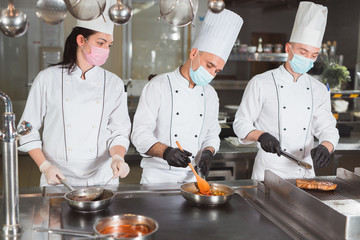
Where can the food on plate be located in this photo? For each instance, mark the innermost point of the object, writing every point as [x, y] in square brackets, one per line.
[212, 193]
[317, 185]
[127, 230]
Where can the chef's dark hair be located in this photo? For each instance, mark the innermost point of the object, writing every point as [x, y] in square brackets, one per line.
[69, 55]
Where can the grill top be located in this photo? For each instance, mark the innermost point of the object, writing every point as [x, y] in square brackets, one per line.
[343, 190]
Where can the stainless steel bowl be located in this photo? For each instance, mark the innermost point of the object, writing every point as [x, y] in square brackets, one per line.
[89, 206]
[85, 9]
[189, 192]
[127, 219]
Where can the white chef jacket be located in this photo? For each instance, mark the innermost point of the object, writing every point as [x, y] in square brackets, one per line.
[170, 111]
[293, 112]
[81, 119]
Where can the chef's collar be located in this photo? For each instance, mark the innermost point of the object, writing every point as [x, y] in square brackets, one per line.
[288, 77]
[89, 75]
[183, 81]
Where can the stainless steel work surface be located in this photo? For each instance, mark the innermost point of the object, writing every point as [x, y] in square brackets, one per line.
[326, 215]
[178, 219]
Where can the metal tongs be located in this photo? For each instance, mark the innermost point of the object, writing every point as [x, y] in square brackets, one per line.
[296, 160]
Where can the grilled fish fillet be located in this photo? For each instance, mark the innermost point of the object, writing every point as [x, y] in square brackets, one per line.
[312, 184]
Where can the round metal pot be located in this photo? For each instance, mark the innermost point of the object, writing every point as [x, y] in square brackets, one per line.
[189, 192]
[111, 222]
[127, 219]
[89, 206]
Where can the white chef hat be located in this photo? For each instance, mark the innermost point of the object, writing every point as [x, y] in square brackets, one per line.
[218, 33]
[99, 24]
[309, 25]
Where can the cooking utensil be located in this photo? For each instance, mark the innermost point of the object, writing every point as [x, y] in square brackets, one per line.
[190, 192]
[296, 160]
[136, 222]
[13, 22]
[120, 13]
[102, 190]
[216, 6]
[178, 13]
[51, 11]
[203, 185]
[96, 204]
[85, 9]
[91, 193]
[140, 221]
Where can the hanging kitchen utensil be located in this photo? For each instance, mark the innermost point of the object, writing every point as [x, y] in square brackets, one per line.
[13, 22]
[85, 9]
[178, 13]
[51, 11]
[120, 13]
[216, 6]
[296, 160]
[203, 185]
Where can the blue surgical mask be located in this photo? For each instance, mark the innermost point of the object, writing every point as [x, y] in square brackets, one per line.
[300, 64]
[201, 76]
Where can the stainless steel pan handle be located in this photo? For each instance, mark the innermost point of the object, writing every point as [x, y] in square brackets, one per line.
[68, 185]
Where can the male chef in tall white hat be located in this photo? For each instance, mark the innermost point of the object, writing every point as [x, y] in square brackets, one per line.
[83, 110]
[182, 106]
[285, 108]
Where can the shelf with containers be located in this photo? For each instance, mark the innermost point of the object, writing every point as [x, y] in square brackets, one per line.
[344, 104]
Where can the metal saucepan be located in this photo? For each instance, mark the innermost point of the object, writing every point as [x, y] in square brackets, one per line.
[75, 198]
[125, 226]
[189, 192]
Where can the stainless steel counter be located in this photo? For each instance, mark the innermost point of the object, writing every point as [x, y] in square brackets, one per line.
[46, 209]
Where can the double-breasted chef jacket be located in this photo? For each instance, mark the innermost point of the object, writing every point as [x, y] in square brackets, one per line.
[81, 119]
[170, 111]
[293, 112]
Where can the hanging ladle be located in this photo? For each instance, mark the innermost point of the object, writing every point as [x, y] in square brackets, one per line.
[120, 13]
[13, 22]
[203, 185]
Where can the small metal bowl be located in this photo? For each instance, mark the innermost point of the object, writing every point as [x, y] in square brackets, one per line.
[127, 219]
[189, 192]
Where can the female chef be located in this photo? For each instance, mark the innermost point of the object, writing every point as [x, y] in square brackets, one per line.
[286, 107]
[83, 111]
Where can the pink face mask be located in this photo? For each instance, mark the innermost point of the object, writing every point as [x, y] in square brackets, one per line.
[97, 55]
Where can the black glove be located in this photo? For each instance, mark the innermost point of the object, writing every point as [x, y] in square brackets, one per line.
[205, 162]
[177, 158]
[320, 155]
[269, 143]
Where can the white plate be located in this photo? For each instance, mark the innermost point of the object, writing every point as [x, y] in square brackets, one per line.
[233, 107]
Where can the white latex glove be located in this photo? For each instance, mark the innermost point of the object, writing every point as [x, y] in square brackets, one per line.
[50, 171]
[119, 166]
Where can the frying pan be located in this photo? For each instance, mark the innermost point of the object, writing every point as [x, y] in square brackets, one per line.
[189, 192]
[98, 204]
[111, 222]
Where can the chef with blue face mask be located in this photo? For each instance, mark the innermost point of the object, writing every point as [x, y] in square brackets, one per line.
[285, 108]
[182, 106]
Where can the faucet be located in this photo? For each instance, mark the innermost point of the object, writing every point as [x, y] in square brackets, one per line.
[8, 135]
